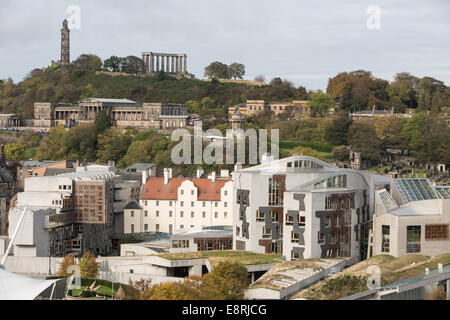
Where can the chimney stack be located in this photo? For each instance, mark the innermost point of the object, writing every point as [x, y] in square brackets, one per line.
[213, 176]
[144, 177]
[200, 172]
[167, 175]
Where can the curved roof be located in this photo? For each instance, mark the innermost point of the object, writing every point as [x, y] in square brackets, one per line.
[17, 287]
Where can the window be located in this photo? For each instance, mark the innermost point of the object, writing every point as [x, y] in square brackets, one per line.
[294, 237]
[413, 239]
[132, 213]
[259, 216]
[225, 214]
[170, 203]
[180, 243]
[385, 233]
[170, 213]
[192, 203]
[225, 204]
[289, 220]
[181, 191]
[320, 237]
[436, 232]
[203, 214]
[145, 202]
[192, 192]
[182, 203]
[192, 214]
[157, 203]
[157, 213]
[216, 214]
[301, 221]
[181, 226]
[132, 228]
[216, 204]
[267, 233]
[145, 227]
[204, 204]
[145, 213]
[181, 214]
[225, 192]
[275, 196]
[157, 227]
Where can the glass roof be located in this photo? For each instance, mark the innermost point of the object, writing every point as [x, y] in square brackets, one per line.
[415, 189]
[444, 192]
[387, 200]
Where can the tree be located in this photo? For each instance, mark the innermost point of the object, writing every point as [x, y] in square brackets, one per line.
[102, 122]
[363, 137]
[340, 153]
[133, 65]
[89, 62]
[88, 266]
[68, 261]
[193, 106]
[227, 281]
[236, 70]
[302, 93]
[53, 147]
[218, 70]
[337, 132]
[111, 145]
[15, 151]
[113, 64]
[320, 104]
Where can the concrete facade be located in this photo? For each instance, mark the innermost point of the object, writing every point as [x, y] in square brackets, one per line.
[281, 207]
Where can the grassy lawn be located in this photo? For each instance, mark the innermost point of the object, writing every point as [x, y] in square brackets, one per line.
[215, 257]
[324, 150]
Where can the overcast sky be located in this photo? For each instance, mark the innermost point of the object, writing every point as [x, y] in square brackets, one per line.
[306, 42]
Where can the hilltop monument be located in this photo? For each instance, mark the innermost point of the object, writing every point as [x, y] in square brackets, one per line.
[65, 43]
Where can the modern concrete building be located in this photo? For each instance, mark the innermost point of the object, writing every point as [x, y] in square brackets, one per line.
[202, 239]
[75, 210]
[167, 204]
[413, 218]
[303, 208]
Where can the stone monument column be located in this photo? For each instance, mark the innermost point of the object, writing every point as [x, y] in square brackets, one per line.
[65, 43]
[185, 63]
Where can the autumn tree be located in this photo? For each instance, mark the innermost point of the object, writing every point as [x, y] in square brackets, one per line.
[132, 65]
[88, 266]
[53, 147]
[236, 70]
[68, 261]
[217, 69]
[320, 104]
[90, 62]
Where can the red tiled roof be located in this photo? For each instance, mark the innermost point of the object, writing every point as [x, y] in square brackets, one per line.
[154, 188]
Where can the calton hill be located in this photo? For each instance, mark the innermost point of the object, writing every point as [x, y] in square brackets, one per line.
[423, 138]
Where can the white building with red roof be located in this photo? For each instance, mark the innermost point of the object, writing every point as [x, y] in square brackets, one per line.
[168, 204]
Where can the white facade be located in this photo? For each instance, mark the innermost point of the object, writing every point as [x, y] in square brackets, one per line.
[187, 208]
[299, 177]
[425, 221]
